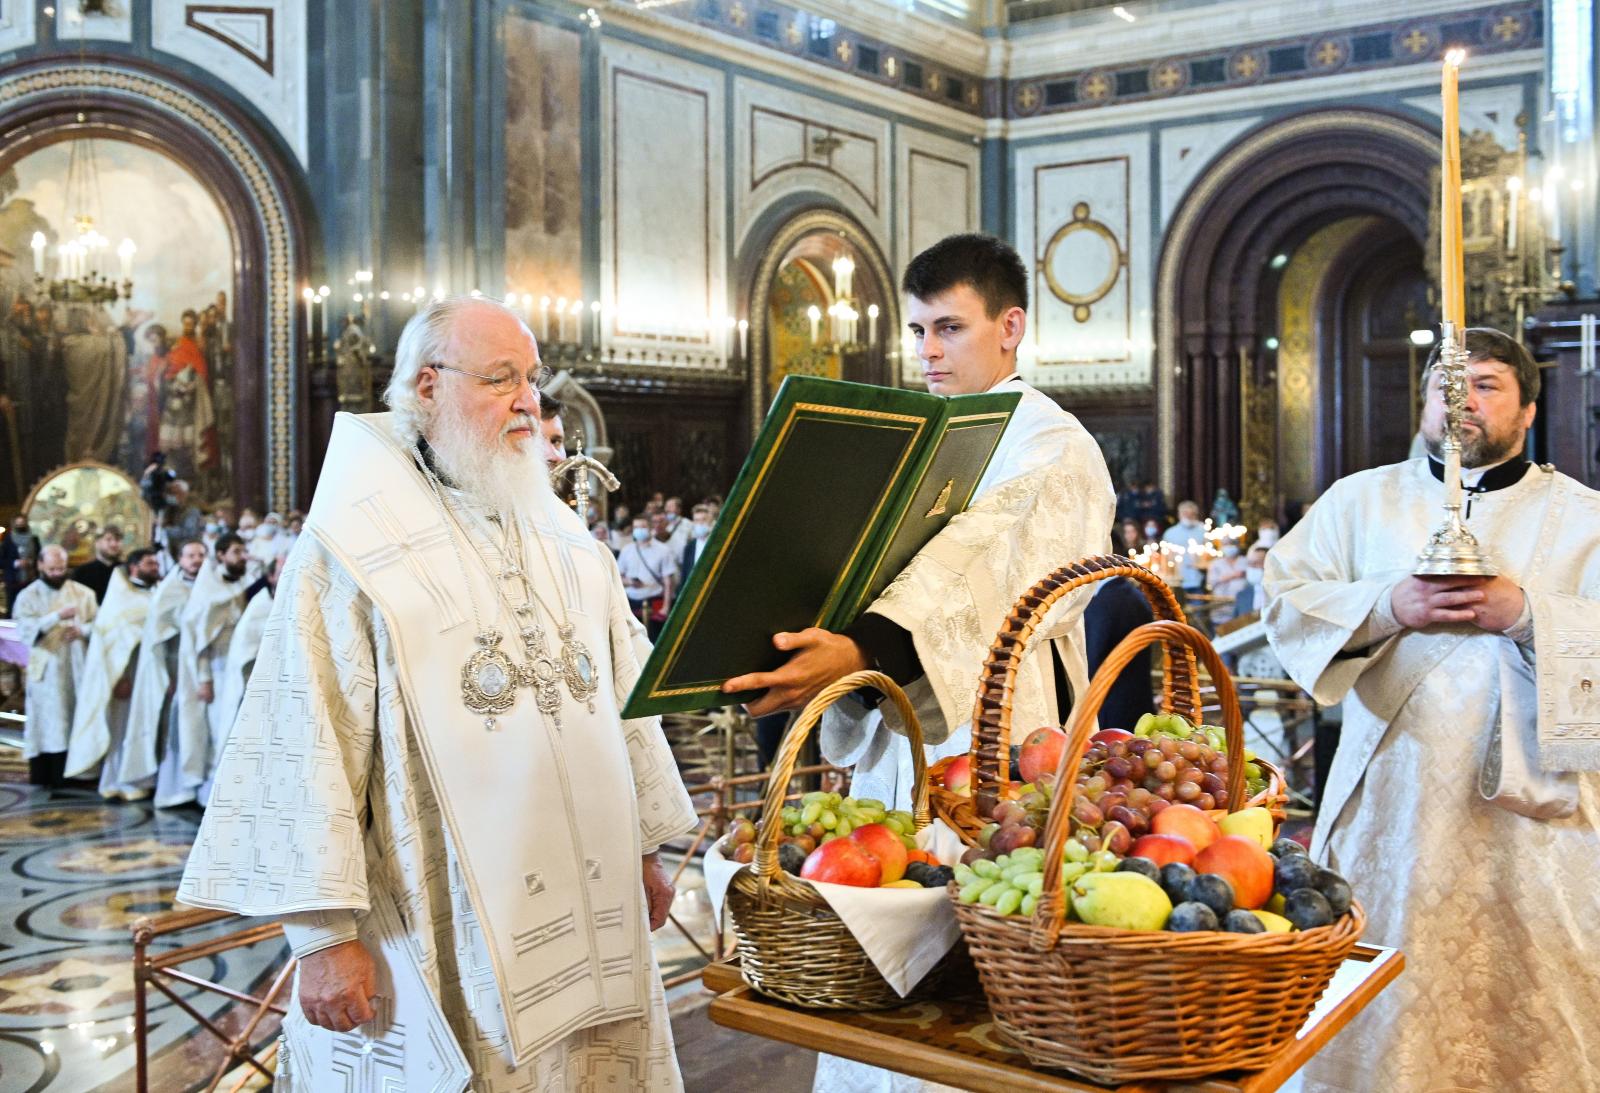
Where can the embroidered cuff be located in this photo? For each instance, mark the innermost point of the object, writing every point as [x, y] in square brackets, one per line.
[312, 931]
[1521, 631]
[1378, 625]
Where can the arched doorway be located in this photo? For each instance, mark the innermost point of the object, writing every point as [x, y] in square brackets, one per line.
[809, 316]
[260, 194]
[1346, 190]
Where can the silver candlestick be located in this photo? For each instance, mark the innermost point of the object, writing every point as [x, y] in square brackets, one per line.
[1452, 551]
[577, 467]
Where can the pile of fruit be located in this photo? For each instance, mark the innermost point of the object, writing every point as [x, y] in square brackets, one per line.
[1125, 781]
[843, 840]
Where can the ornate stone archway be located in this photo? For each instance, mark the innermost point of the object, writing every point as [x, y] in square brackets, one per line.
[259, 191]
[1277, 186]
[767, 257]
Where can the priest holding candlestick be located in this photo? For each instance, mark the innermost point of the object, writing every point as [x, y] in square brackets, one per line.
[1462, 801]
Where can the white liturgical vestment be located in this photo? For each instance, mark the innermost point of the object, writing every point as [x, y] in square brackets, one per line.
[155, 740]
[1045, 501]
[1494, 909]
[100, 720]
[55, 659]
[204, 631]
[493, 864]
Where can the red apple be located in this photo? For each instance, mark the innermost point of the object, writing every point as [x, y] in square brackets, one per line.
[1190, 822]
[1244, 863]
[884, 845]
[844, 861]
[1163, 849]
[1041, 752]
[958, 776]
[1110, 736]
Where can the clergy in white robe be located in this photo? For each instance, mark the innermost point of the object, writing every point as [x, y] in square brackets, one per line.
[155, 754]
[1044, 501]
[205, 631]
[245, 644]
[1461, 803]
[54, 617]
[429, 781]
[100, 720]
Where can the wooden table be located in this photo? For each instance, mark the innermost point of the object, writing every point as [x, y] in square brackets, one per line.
[957, 1043]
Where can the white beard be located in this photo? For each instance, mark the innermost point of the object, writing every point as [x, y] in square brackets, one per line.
[504, 479]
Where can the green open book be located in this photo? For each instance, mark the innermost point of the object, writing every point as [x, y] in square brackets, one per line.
[844, 484]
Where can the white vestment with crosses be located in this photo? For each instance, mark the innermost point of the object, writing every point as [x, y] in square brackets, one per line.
[494, 872]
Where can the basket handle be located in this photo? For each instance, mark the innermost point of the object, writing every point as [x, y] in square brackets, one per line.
[991, 716]
[1050, 913]
[766, 860]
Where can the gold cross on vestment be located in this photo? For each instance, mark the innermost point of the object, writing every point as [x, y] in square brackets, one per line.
[1508, 28]
[1416, 42]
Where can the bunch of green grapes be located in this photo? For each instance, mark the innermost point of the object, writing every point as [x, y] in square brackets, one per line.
[825, 816]
[1011, 884]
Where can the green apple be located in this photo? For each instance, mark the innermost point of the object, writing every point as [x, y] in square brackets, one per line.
[1253, 823]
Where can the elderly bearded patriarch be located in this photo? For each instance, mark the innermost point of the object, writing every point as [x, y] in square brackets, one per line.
[428, 781]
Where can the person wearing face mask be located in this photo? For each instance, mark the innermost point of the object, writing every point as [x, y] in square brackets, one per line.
[100, 720]
[649, 572]
[699, 530]
[54, 617]
[264, 547]
[19, 558]
[1267, 534]
[207, 625]
[1226, 575]
[1248, 598]
[677, 527]
[1152, 531]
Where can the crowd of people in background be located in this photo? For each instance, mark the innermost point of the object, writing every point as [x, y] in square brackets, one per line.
[656, 549]
[138, 658]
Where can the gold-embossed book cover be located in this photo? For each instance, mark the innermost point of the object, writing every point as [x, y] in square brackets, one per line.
[844, 484]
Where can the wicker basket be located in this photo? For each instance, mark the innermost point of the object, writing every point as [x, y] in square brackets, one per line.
[792, 946]
[991, 742]
[1121, 1005]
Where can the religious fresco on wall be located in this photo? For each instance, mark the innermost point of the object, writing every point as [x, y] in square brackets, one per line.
[114, 383]
[796, 351]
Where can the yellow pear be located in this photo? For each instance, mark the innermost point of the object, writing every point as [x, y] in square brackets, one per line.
[1252, 823]
[1275, 924]
[1127, 901]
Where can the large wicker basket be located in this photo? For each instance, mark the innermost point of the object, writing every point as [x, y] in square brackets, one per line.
[1118, 1005]
[991, 737]
[791, 944]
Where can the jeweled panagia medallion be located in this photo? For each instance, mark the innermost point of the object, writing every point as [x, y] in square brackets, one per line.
[489, 677]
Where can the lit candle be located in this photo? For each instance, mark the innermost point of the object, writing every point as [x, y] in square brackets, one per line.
[872, 324]
[544, 318]
[323, 292]
[309, 296]
[816, 320]
[577, 322]
[1451, 271]
[594, 311]
[744, 337]
[38, 253]
[561, 319]
[125, 251]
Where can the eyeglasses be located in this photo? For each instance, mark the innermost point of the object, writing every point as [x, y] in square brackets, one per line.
[504, 380]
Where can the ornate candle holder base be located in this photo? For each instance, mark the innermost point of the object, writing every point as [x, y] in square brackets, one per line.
[1453, 552]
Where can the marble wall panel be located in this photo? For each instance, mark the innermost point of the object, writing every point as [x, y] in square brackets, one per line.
[663, 263]
[1491, 110]
[256, 46]
[17, 24]
[1083, 228]
[544, 180]
[1187, 150]
[939, 193]
[115, 24]
[844, 154]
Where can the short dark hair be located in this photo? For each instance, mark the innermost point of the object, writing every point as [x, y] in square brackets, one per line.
[112, 530]
[197, 542]
[225, 542]
[549, 406]
[1484, 343]
[991, 266]
[137, 556]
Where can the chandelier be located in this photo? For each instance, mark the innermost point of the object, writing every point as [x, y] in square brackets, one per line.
[83, 261]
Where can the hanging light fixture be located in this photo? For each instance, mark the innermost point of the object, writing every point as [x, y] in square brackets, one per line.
[83, 272]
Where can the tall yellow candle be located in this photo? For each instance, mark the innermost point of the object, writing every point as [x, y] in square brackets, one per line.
[1452, 275]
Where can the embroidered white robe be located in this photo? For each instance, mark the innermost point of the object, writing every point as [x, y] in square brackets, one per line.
[243, 648]
[155, 751]
[1044, 501]
[100, 719]
[494, 873]
[55, 660]
[1495, 911]
[204, 632]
